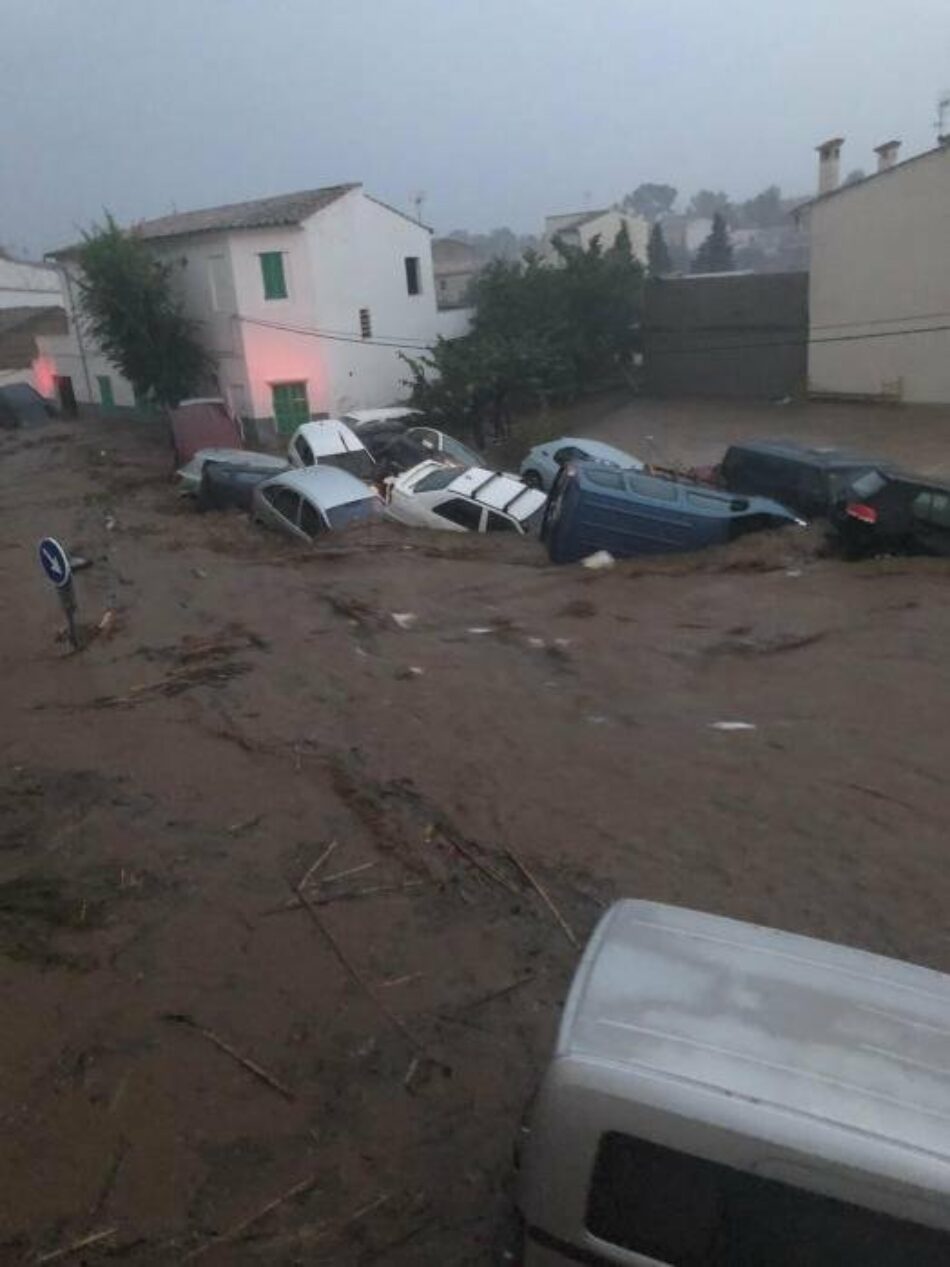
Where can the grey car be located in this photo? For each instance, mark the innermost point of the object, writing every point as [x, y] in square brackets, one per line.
[307, 503]
[542, 465]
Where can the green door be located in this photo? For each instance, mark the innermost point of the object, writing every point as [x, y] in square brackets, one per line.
[291, 406]
[106, 394]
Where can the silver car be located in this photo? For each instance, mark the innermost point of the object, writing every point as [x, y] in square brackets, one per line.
[541, 467]
[308, 503]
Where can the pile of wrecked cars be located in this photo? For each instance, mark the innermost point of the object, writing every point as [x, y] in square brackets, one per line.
[581, 496]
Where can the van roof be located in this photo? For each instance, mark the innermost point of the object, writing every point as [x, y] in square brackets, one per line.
[811, 455]
[813, 1029]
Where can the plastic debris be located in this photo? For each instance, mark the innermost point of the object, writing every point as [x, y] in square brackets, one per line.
[109, 522]
[480, 629]
[405, 620]
[106, 625]
[732, 725]
[409, 672]
[537, 643]
[598, 560]
[794, 572]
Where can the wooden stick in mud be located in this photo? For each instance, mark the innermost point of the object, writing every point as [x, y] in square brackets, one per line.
[84, 1242]
[238, 1229]
[565, 926]
[479, 865]
[358, 977]
[251, 1066]
[317, 865]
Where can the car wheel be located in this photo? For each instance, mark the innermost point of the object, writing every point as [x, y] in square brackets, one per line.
[532, 479]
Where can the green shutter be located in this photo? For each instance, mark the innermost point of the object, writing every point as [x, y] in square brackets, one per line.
[106, 394]
[272, 274]
[291, 406]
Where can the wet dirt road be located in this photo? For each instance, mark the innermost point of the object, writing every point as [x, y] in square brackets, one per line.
[196, 1062]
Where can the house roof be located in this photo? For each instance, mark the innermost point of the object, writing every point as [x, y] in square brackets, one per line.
[944, 148]
[566, 221]
[259, 213]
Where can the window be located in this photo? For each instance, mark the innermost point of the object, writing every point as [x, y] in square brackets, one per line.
[272, 274]
[310, 521]
[304, 451]
[568, 454]
[413, 276]
[458, 511]
[106, 395]
[605, 478]
[291, 406]
[366, 324]
[441, 478]
[686, 1210]
[645, 486]
[357, 461]
[499, 523]
[218, 281]
[285, 501]
[933, 508]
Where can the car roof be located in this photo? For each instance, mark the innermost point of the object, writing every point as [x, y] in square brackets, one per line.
[391, 413]
[330, 435]
[327, 486]
[499, 492]
[813, 455]
[815, 1030]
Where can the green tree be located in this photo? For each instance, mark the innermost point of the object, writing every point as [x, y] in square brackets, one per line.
[659, 262]
[715, 254]
[540, 331]
[764, 211]
[707, 202]
[650, 200]
[128, 306]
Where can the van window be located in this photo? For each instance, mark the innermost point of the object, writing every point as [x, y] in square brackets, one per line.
[605, 478]
[696, 1213]
[648, 486]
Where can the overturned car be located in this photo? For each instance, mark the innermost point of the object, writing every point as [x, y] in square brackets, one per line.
[594, 508]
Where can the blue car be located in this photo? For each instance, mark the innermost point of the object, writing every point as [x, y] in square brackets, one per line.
[628, 512]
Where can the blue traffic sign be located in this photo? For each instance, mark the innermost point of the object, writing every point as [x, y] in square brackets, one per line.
[55, 562]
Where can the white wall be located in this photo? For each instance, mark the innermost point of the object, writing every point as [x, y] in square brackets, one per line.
[880, 264]
[28, 285]
[452, 323]
[607, 226]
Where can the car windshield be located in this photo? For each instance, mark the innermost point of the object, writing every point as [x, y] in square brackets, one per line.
[460, 452]
[357, 461]
[441, 478]
[867, 485]
[352, 512]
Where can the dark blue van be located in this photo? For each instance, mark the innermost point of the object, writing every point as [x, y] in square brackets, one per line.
[629, 512]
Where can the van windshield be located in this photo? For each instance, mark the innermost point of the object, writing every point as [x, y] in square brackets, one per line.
[697, 1213]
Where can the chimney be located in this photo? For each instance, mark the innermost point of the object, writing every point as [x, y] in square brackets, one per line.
[886, 155]
[829, 158]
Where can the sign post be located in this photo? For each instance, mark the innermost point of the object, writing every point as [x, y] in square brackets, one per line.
[55, 563]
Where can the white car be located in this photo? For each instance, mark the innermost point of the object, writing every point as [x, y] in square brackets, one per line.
[543, 464]
[433, 495]
[330, 442]
[395, 414]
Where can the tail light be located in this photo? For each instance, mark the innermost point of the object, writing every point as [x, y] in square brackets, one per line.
[859, 510]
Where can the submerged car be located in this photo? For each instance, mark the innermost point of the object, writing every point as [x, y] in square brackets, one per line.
[433, 495]
[627, 513]
[330, 442]
[308, 503]
[402, 452]
[809, 480]
[190, 475]
[890, 512]
[203, 423]
[543, 464]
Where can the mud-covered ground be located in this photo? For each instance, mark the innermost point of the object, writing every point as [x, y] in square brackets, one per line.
[194, 1061]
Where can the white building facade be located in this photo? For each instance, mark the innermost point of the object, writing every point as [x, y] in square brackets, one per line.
[879, 289]
[304, 301]
[580, 228]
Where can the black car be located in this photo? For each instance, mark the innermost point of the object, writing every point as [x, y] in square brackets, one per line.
[225, 485]
[810, 481]
[890, 512]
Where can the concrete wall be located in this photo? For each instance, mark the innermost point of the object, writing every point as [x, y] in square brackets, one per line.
[880, 264]
[74, 355]
[28, 285]
[729, 335]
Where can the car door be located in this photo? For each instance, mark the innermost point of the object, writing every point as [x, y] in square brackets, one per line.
[931, 521]
[283, 509]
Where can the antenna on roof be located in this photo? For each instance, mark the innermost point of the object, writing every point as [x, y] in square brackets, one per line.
[417, 199]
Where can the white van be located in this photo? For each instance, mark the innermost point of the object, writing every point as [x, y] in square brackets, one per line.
[725, 1094]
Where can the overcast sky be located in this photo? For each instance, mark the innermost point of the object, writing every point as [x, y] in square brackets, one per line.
[499, 110]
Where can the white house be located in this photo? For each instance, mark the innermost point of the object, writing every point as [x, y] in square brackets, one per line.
[879, 289]
[579, 228]
[305, 301]
[31, 304]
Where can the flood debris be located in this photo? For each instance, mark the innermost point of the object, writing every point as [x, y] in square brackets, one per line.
[235, 1232]
[598, 561]
[732, 725]
[74, 1247]
[405, 620]
[182, 1018]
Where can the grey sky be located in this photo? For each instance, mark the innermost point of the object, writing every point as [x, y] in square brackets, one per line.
[500, 110]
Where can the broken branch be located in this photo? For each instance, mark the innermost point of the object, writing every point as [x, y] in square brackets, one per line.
[565, 926]
[181, 1018]
[238, 1229]
[74, 1247]
[318, 864]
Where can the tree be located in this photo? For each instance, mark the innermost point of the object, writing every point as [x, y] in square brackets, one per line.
[706, 203]
[715, 254]
[650, 200]
[127, 304]
[658, 254]
[764, 211]
[539, 331]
